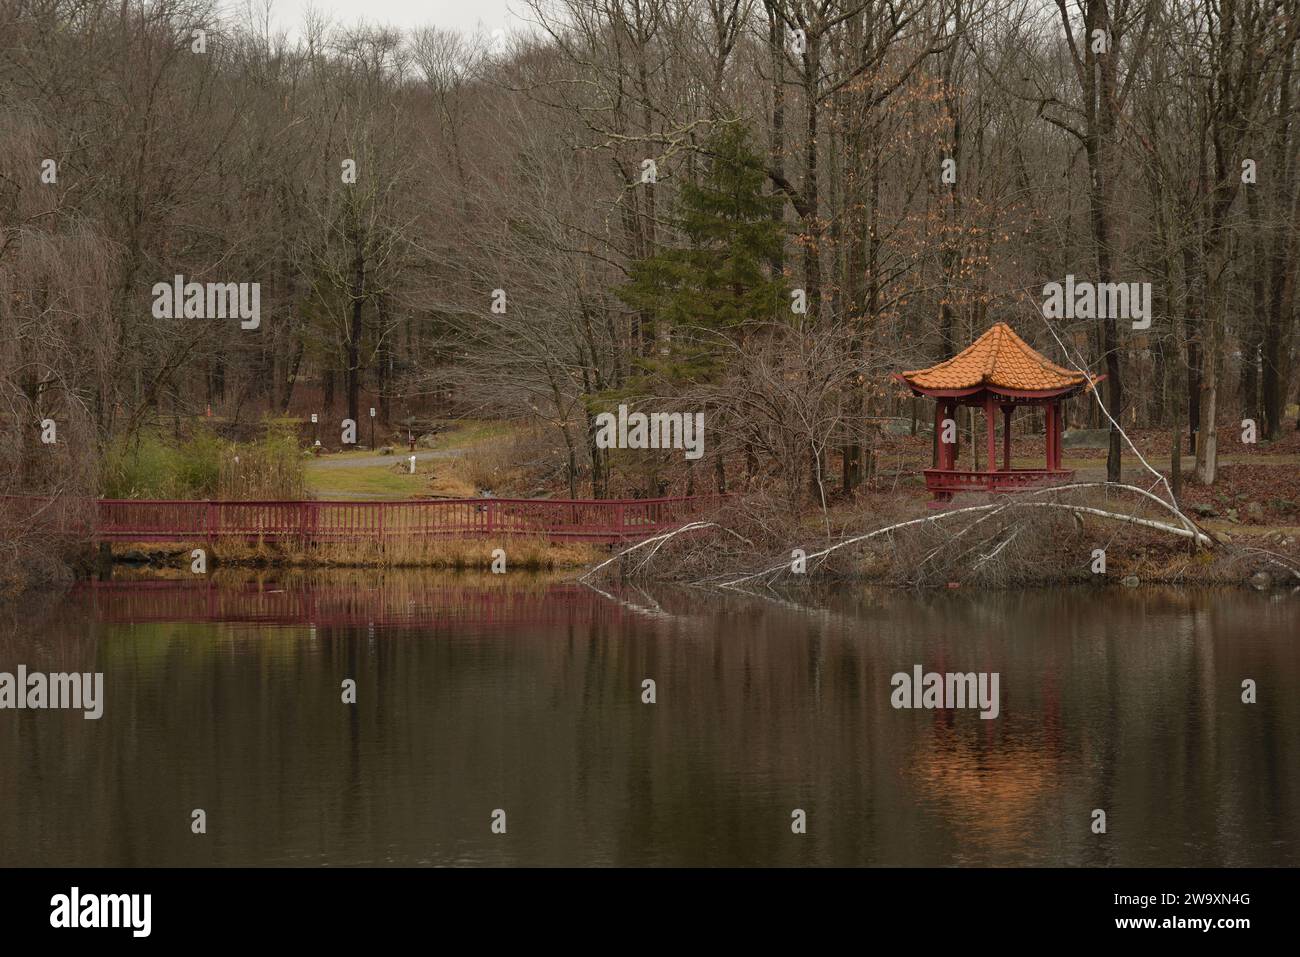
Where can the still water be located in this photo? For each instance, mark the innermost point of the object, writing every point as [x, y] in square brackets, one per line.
[476, 694]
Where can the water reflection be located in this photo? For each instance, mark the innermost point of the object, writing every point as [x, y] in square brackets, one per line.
[477, 693]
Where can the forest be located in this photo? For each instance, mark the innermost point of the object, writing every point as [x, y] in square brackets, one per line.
[758, 210]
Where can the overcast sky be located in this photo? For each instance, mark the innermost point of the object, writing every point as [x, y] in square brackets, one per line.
[463, 15]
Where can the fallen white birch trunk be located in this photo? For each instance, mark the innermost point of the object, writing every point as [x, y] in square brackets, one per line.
[1190, 531]
[657, 541]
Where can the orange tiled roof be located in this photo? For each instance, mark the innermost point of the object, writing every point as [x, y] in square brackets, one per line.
[997, 358]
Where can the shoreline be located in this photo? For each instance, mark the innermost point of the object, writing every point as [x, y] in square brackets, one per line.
[476, 555]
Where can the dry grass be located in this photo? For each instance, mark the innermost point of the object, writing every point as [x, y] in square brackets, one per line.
[533, 554]
[522, 553]
[448, 481]
[501, 463]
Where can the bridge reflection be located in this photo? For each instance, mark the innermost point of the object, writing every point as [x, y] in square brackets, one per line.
[372, 600]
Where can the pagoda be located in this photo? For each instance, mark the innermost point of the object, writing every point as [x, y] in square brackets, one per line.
[999, 370]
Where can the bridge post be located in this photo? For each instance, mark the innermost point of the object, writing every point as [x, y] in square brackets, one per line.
[104, 562]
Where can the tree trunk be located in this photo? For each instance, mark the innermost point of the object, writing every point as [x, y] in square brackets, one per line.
[1211, 338]
[355, 329]
[812, 243]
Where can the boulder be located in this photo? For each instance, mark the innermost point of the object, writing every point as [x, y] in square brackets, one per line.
[1202, 510]
[426, 441]
[1255, 511]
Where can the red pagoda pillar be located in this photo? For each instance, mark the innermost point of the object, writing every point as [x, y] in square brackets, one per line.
[1056, 435]
[1006, 437]
[991, 425]
[939, 455]
[945, 452]
[1049, 430]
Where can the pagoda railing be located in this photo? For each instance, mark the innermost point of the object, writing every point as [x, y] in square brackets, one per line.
[1014, 480]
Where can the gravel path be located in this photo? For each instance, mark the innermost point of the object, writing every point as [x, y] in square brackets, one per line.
[335, 462]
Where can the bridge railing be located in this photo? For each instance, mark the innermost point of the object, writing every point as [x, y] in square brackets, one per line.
[596, 520]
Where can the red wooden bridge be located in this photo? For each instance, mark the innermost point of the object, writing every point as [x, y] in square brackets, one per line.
[598, 520]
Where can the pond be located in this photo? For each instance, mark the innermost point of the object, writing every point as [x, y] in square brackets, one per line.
[486, 703]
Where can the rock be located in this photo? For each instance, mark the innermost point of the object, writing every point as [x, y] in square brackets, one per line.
[1130, 581]
[1261, 581]
[1086, 438]
[1255, 511]
[1232, 516]
[426, 441]
[1202, 510]
[386, 450]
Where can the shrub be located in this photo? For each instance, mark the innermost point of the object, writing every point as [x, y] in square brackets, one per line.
[145, 465]
[268, 469]
[203, 466]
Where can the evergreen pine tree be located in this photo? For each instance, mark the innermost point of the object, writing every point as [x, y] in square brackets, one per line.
[720, 283]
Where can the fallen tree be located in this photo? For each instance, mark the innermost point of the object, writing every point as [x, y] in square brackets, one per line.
[1030, 537]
